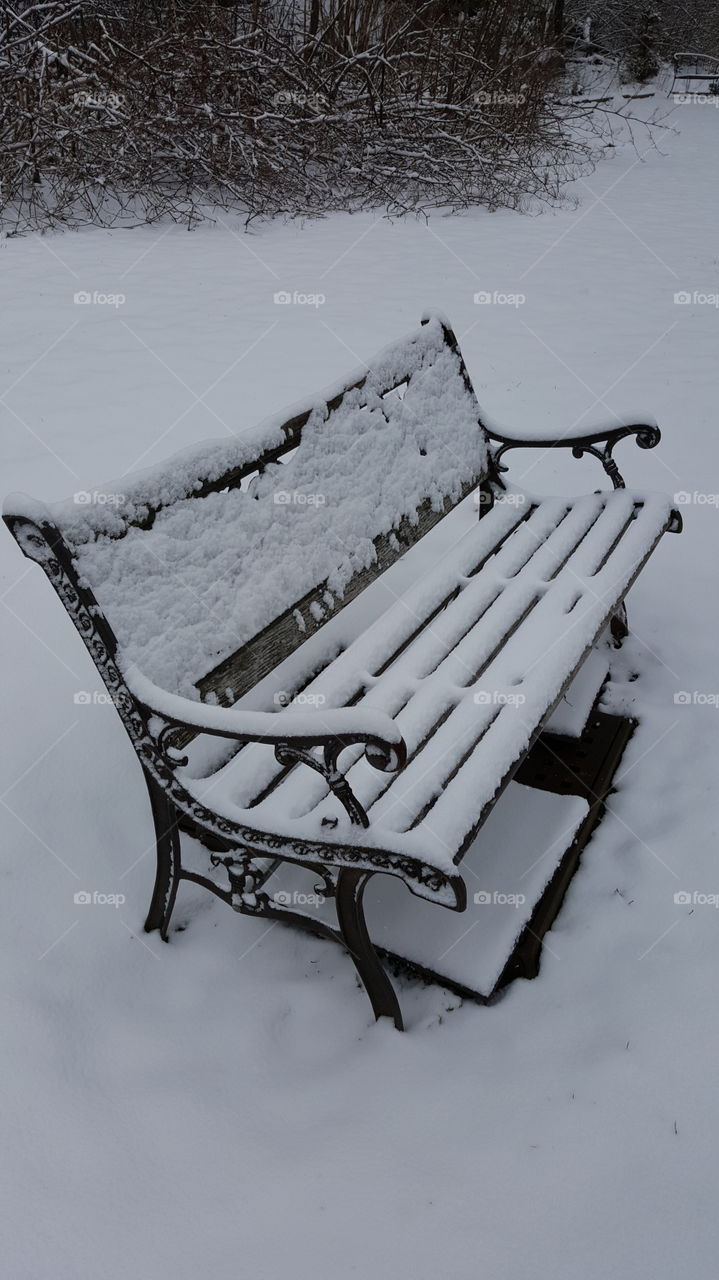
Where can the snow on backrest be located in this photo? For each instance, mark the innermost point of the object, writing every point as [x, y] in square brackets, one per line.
[211, 572]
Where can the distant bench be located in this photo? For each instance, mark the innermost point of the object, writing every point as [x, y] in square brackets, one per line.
[220, 577]
[694, 66]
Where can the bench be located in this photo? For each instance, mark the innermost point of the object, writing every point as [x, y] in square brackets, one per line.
[695, 66]
[320, 681]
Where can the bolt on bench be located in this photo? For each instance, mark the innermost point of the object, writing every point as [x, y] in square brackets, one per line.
[315, 699]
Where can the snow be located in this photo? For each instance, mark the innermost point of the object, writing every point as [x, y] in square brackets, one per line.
[224, 1104]
[501, 864]
[367, 722]
[213, 571]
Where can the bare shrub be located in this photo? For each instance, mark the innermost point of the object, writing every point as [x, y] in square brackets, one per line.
[131, 112]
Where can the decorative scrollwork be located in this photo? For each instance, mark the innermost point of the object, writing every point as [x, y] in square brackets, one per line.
[339, 786]
[328, 877]
[646, 435]
[247, 882]
[606, 459]
[169, 746]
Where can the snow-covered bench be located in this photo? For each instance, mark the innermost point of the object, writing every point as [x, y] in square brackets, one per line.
[695, 66]
[312, 674]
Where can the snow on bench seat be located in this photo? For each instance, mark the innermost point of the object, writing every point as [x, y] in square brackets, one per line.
[469, 662]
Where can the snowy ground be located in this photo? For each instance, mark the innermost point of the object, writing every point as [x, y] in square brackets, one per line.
[224, 1105]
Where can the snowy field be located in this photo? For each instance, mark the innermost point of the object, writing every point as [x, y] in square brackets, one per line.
[224, 1106]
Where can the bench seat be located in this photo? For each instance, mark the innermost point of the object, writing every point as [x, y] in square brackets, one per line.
[470, 663]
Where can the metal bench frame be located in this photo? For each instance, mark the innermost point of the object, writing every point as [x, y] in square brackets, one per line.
[249, 856]
[704, 67]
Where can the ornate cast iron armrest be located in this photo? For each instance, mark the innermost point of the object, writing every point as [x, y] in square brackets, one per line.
[647, 434]
[293, 734]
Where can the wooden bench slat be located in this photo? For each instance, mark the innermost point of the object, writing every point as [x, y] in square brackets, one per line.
[341, 683]
[451, 654]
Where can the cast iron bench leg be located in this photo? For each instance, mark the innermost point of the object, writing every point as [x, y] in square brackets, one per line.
[168, 861]
[619, 626]
[350, 916]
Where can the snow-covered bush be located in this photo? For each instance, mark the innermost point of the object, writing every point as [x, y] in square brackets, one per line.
[128, 111]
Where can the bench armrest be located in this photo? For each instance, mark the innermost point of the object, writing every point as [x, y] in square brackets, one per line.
[334, 728]
[647, 436]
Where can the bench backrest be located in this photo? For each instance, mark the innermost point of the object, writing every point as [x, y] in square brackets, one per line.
[214, 567]
[695, 66]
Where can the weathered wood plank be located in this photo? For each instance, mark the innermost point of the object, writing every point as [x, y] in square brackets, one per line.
[244, 669]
